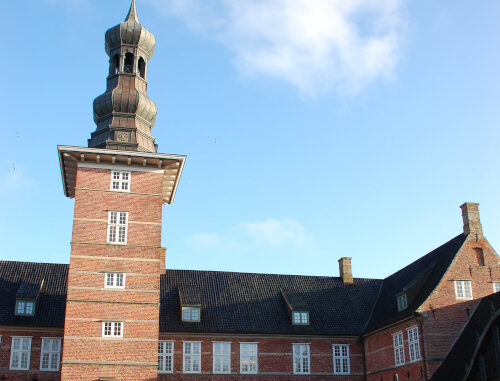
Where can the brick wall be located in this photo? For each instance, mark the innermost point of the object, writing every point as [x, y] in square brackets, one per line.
[275, 358]
[34, 372]
[87, 355]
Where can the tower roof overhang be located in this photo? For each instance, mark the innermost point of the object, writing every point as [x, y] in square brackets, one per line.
[71, 157]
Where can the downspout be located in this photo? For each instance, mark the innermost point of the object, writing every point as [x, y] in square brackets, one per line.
[417, 315]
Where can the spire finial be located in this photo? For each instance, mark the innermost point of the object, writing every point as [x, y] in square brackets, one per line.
[132, 13]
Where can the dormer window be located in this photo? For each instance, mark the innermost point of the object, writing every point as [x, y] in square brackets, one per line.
[402, 302]
[300, 318]
[25, 307]
[191, 314]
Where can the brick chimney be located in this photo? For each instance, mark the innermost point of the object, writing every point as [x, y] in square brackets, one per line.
[345, 270]
[472, 222]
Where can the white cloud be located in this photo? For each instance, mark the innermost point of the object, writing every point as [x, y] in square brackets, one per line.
[314, 45]
[271, 232]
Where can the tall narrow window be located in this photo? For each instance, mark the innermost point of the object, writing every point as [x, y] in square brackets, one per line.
[413, 344]
[301, 359]
[112, 329]
[142, 67]
[222, 357]
[20, 353]
[399, 350]
[114, 65]
[463, 289]
[401, 301]
[341, 363]
[248, 358]
[129, 63]
[192, 357]
[479, 256]
[51, 354]
[165, 357]
[114, 280]
[120, 181]
[117, 227]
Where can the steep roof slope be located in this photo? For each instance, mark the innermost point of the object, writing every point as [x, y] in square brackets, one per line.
[417, 280]
[17, 277]
[254, 303]
[467, 343]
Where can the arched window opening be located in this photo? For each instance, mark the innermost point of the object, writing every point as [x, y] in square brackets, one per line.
[142, 67]
[129, 63]
[114, 65]
[479, 256]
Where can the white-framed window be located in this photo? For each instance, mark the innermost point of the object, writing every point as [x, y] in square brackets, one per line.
[413, 344]
[192, 357]
[165, 356]
[399, 349]
[114, 280]
[20, 353]
[496, 286]
[25, 307]
[301, 359]
[248, 358]
[463, 289]
[51, 354]
[117, 227]
[300, 317]
[120, 181]
[402, 302]
[191, 314]
[112, 329]
[341, 363]
[222, 357]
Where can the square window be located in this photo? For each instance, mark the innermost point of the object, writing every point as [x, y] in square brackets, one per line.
[191, 314]
[463, 289]
[300, 317]
[341, 363]
[25, 307]
[222, 357]
[112, 329]
[192, 357]
[301, 359]
[248, 358]
[51, 354]
[120, 181]
[165, 356]
[20, 353]
[114, 280]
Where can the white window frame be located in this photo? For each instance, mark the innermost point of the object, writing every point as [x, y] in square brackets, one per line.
[51, 352]
[402, 302]
[463, 289]
[413, 344]
[119, 180]
[341, 361]
[24, 304]
[187, 314]
[496, 286]
[302, 361]
[399, 348]
[187, 366]
[249, 357]
[21, 352]
[164, 354]
[117, 229]
[113, 326]
[300, 317]
[114, 278]
[222, 352]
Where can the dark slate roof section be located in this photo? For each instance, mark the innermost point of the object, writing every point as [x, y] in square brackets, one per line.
[295, 300]
[29, 290]
[253, 303]
[417, 280]
[460, 355]
[189, 295]
[51, 303]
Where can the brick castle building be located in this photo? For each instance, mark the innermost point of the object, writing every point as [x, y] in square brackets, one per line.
[116, 313]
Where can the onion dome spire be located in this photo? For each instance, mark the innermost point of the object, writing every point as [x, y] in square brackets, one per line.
[124, 114]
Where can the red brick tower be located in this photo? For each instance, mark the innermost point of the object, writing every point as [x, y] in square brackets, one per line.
[119, 184]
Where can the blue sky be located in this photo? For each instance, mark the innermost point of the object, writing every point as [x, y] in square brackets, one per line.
[313, 129]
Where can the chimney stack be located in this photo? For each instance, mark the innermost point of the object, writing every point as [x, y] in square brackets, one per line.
[472, 222]
[345, 270]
